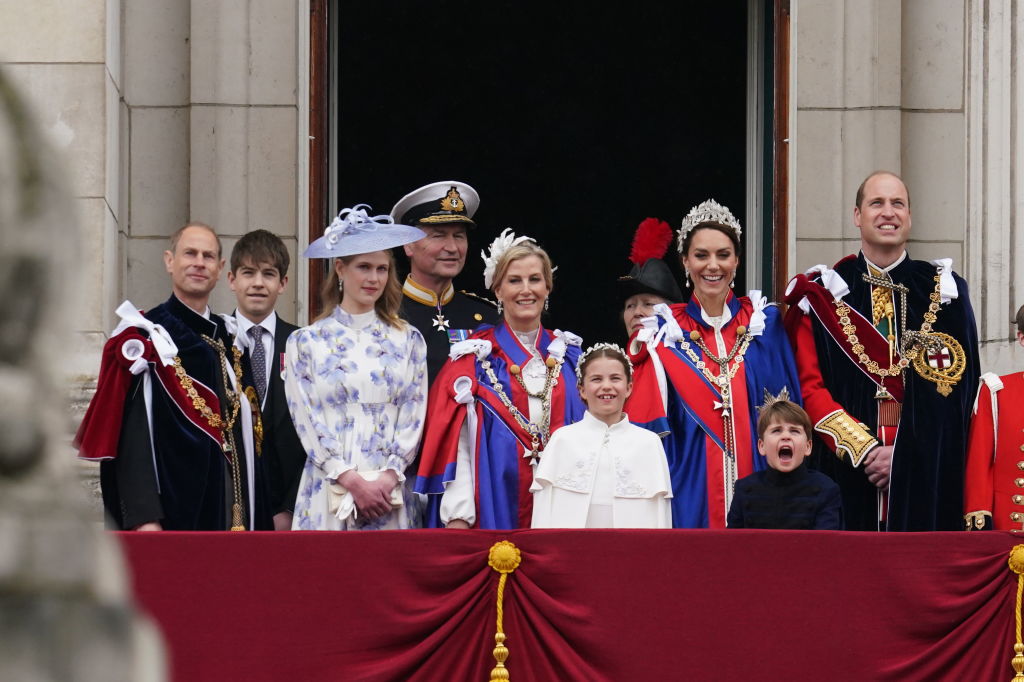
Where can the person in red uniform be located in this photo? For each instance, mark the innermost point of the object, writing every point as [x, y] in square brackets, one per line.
[887, 350]
[994, 485]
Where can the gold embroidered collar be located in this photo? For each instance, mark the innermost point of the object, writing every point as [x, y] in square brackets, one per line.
[421, 294]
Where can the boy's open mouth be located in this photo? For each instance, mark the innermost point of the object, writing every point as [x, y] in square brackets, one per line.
[785, 454]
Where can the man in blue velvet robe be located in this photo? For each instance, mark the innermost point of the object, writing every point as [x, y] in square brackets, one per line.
[170, 422]
[887, 350]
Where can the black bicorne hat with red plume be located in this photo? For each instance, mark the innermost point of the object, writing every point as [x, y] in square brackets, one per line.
[650, 274]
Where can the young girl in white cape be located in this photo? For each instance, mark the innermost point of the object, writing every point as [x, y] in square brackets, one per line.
[603, 472]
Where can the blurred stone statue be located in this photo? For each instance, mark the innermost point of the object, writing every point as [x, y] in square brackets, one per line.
[64, 608]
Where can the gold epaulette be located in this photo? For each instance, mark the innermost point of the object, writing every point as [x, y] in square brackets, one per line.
[850, 436]
[975, 520]
[478, 297]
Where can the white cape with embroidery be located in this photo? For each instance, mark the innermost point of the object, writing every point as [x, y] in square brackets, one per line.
[564, 481]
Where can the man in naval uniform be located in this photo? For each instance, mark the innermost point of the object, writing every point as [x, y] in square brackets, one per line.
[444, 210]
[887, 351]
[994, 489]
[170, 421]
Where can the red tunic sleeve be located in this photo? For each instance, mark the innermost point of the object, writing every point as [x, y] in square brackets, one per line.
[978, 477]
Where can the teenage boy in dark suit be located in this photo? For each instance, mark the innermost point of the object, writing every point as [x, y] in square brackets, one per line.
[258, 275]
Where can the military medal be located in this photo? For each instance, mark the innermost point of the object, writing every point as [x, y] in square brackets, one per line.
[440, 323]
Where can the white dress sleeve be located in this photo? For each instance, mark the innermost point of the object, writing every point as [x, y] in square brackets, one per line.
[412, 407]
[459, 498]
[307, 410]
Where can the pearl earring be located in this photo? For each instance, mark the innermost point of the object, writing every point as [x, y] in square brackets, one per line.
[547, 302]
[500, 307]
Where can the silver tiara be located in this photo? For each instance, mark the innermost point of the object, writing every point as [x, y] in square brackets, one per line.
[709, 211]
[599, 346]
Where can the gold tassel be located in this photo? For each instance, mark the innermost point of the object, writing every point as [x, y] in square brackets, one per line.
[236, 517]
[1016, 563]
[504, 558]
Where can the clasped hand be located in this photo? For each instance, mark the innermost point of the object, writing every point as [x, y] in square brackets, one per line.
[373, 498]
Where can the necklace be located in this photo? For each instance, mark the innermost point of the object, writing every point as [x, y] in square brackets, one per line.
[539, 434]
[726, 373]
[910, 342]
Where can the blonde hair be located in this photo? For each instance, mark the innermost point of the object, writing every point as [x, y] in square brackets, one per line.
[386, 306]
[518, 252]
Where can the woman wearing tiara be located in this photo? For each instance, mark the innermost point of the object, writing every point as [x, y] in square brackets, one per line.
[602, 471]
[356, 383]
[702, 368]
[498, 399]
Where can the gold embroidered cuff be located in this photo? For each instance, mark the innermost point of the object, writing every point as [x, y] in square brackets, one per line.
[850, 436]
[975, 520]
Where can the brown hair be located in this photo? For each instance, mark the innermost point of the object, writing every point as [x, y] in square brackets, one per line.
[724, 229]
[783, 412]
[386, 306]
[260, 246]
[195, 223]
[518, 252]
[1019, 319]
[860, 190]
[604, 353]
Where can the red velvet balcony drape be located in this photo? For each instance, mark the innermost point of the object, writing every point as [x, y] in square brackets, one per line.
[583, 605]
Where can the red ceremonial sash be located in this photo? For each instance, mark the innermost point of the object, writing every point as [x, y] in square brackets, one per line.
[876, 346]
[99, 434]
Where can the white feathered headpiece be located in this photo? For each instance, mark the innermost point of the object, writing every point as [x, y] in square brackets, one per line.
[502, 243]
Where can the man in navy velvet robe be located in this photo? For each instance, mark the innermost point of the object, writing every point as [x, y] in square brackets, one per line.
[887, 350]
[170, 422]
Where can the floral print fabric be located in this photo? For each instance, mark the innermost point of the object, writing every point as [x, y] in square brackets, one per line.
[356, 390]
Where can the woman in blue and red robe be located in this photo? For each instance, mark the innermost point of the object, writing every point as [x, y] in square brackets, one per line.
[702, 369]
[498, 399]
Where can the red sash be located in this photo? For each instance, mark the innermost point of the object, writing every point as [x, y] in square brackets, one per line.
[99, 434]
[876, 346]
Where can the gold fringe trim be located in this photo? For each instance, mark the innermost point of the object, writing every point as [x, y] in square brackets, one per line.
[1016, 564]
[504, 558]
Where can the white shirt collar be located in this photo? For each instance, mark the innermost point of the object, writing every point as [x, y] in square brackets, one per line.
[244, 323]
[903, 257]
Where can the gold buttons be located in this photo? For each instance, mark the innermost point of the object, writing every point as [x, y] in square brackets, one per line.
[1018, 499]
[1022, 447]
[1019, 482]
[1020, 465]
[1016, 516]
[478, 317]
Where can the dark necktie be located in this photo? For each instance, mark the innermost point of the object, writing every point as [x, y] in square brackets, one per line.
[259, 361]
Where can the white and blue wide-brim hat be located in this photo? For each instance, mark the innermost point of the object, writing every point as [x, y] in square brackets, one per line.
[354, 232]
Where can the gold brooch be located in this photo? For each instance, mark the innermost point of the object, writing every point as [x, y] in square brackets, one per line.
[942, 361]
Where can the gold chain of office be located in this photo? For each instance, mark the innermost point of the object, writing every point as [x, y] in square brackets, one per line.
[539, 434]
[911, 342]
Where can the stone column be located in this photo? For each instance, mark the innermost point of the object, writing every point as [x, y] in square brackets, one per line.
[244, 122]
[995, 176]
[65, 613]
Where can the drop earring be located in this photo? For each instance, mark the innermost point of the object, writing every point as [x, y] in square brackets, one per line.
[500, 307]
[686, 279]
[547, 303]
[341, 285]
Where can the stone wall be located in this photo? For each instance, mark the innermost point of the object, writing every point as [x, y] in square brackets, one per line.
[166, 110]
[925, 88]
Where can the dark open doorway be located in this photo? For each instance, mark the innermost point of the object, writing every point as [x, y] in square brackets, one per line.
[574, 121]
